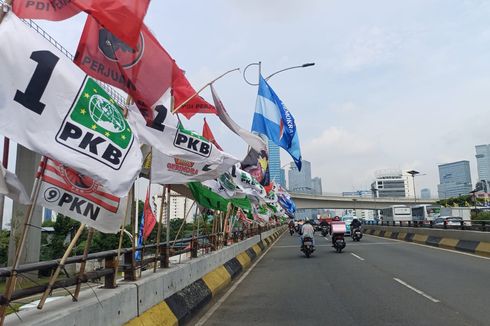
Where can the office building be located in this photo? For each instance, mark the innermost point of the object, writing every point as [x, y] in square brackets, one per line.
[179, 207]
[454, 179]
[300, 181]
[316, 186]
[425, 193]
[283, 178]
[274, 162]
[390, 183]
[483, 161]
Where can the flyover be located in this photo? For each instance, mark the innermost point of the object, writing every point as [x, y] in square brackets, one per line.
[337, 201]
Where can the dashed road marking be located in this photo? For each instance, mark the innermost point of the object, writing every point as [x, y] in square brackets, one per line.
[358, 257]
[422, 293]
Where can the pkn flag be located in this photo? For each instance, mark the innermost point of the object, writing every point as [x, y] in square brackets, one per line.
[11, 187]
[274, 120]
[124, 18]
[78, 196]
[48, 105]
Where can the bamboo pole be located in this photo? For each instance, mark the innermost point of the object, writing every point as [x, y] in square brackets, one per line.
[134, 231]
[8, 3]
[225, 222]
[84, 263]
[60, 266]
[10, 286]
[121, 234]
[159, 231]
[167, 218]
[202, 88]
[181, 225]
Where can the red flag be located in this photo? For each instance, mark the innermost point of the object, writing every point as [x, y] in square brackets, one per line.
[44, 9]
[144, 73]
[124, 18]
[182, 91]
[208, 134]
[150, 219]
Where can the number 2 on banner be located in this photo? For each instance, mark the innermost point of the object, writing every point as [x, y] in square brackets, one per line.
[31, 98]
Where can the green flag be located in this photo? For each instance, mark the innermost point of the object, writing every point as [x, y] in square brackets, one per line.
[207, 198]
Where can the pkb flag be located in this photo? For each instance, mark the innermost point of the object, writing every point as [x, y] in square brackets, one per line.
[48, 105]
[274, 120]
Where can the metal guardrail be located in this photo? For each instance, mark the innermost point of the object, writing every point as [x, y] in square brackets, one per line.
[474, 225]
[195, 245]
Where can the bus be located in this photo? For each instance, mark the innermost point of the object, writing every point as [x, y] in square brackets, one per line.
[397, 213]
[425, 212]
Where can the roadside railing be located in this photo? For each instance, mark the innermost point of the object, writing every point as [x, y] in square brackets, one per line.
[473, 225]
[151, 255]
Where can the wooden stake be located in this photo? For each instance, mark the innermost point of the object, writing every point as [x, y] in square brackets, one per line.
[167, 243]
[159, 231]
[121, 234]
[12, 281]
[84, 263]
[60, 266]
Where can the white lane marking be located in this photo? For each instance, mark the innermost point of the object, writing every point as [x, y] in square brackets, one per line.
[436, 248]
[213, 309]
[358, 257]
[422, 293]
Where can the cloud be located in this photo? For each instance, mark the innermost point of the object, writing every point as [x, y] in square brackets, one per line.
[344, 143]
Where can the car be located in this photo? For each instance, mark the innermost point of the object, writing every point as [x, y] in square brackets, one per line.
[450, 220]
[347, 219]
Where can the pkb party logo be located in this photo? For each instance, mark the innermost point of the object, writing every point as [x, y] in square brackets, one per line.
[96, 127]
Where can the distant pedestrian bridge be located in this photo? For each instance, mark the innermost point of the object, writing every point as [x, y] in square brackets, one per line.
[348, 202]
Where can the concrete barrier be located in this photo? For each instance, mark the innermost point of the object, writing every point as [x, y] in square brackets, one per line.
[475, 242]
[166, 297]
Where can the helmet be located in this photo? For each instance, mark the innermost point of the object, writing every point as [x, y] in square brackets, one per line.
[336, 218]
[307, 221]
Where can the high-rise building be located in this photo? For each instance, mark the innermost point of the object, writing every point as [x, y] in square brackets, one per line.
[425, 193]
[300, 181]
[483, 161]
[316, 186]
[179, 206]
[454, 179]
[274, 162]
[283, 178]
[390, 183]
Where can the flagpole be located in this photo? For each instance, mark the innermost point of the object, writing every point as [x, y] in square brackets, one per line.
[10, 286]
[159, 231]
[202, 88]
[121, 234]
[60, 266]
[8, 4]
[167, 218]
[134, 230]
[84, 263]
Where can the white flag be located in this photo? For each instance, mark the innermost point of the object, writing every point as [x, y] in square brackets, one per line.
[179, 155]
[11, 187]
[248, 185]
[50, 106]
[78, 196]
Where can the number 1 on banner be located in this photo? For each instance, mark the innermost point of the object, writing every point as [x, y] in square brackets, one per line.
[31, 98]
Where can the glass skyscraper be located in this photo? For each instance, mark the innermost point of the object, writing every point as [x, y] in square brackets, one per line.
[275, 163]
[483, 161]
[454, 179]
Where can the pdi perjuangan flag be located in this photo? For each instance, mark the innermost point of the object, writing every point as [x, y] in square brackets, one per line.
[274, 120]
[51, 107]
[78, 196]
[123, 18]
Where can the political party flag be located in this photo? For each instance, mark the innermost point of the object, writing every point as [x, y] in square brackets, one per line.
[144, 71]
[179, 155]
[51, 107]
[123, 18]
[274, 120]
[207, 198]
[11, 187]
[247, 184]
[253, 140]
[183, 92]
[257, 164]
[78, 196]
[149, 216]
[208, 134]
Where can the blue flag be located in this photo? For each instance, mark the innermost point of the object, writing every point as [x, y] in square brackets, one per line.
[273, 119]
[137, 254]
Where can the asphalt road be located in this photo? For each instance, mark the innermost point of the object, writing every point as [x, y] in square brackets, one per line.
[374, 282]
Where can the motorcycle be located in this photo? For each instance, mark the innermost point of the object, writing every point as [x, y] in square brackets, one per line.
[356, 234]
[324, 230]
[291, 230]
[338, 242]
[307, 247]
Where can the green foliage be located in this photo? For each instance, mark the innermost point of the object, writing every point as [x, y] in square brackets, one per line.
[480, 216]
[461, 201]
[4, 246]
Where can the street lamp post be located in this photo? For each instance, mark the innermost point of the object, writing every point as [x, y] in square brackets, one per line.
[413, 173]
[304, 65]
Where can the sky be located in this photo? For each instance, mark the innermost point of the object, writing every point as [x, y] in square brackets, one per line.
[396, 84]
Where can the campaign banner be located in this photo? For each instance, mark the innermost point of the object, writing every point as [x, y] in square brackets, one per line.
[79, 197]
[50, 106]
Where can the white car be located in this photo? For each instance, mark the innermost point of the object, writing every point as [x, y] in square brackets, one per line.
[450, 220]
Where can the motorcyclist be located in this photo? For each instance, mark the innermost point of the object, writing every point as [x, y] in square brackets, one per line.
[307, 230]
[335, 219]
[355, 224]
[291, 224]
